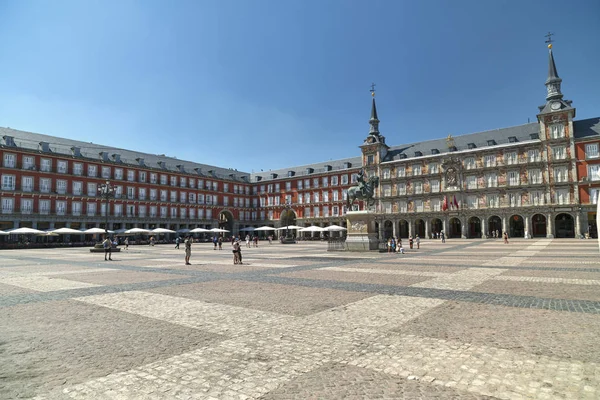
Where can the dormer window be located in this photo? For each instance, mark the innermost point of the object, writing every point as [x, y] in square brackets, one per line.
[534, 136]
[104, 155]
[291, 173]
[471, 146]
[512, 139]
[402, 155]
[76, 151]
[273, 176]
[418, 154]
[45, 147]
[452, 148]
[9, 141]
[347, 165]
[258, 178]
[140, 161]
[309, 170]
[491, 142]
[116, 158]
[328, 168]
[435, 151]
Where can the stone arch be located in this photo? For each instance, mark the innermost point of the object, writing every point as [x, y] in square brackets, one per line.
[564, 225]
[420, 228]
[516, 226]
[388, 229]
[226, 220]
[474, 228]
[494, 224]
[436, 226]
[287, 217]
[403, 229]
[454, 228]
[539, 225]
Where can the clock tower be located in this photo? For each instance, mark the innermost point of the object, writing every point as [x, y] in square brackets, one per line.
[373, 148]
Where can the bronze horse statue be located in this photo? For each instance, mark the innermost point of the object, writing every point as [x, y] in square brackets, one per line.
[367, 192]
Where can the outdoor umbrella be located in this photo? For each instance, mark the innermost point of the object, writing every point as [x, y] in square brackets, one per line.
[312, 228]
[200, 230]
[92, 231]
[289, 227]
[140, 231]
[67, 231]
[335, 228]
[162, 230]
[4, 233]
[265, 228]
[183, 230]
[219, 230]
[50, 233]
[26, 231]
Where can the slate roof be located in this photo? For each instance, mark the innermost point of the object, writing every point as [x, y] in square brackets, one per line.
[62, 146]
[501, 136]
[317, 168]
[587, 128]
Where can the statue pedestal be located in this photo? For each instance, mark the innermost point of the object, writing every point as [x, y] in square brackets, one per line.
[361, 234]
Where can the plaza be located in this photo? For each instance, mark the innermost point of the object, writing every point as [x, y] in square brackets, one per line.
[468, 319]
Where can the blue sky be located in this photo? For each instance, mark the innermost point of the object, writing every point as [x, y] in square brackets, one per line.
[267, 84]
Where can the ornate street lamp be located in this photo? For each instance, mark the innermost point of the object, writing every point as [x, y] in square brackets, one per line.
[287, 220]
[106, 191]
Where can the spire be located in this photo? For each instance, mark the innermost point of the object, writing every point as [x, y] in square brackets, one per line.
[374, 122]
[553, 82]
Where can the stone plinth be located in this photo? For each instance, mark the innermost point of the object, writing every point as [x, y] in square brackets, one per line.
[361, 234]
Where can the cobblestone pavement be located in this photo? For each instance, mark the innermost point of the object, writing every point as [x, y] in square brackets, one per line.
[468, 319]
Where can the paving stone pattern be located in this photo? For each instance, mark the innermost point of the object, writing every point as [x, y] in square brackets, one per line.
[468, 319]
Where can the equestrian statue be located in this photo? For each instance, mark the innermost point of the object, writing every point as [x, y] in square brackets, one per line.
[365, 190]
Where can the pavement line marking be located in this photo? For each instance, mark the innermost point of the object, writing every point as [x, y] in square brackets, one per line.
[45, 284]
[383, 271]
[590, 282]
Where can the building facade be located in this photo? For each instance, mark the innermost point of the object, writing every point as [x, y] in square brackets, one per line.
[536, 180]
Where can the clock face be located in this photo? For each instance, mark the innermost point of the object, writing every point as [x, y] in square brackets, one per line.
[555, 105]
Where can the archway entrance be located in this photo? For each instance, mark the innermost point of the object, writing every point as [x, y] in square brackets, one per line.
[388, 229]
[226, 221]
[403, 231]
[517, 226]
[538, 222]
[494, 224]
[287, 218]
[474, 228]
[565, 226]
[420, 228]
[436, 226]
[454, 228]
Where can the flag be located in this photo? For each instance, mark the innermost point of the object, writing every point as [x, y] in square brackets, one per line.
[445, 204]
[455, 203]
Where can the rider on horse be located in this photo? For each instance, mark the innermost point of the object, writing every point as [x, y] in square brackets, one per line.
[361, 182]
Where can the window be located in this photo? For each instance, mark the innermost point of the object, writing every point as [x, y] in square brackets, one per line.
[436, 204]
[183, 181]
[306, 183]
[173, 183]
[61, 207]
[182, 197]
[534, 176]
[153, 211]
[153, 178]
[418, 187]
[215, 186]
[106, 172]
[201, 199]
[77, 188]
[173, 196]
[557, 131]
[387, 190]
[45, 185]
[316, 182]
[562, 196]
[386, 173]
[163, 212]
[77, 169]
[591, 150]
[419, 206]
[153, 194]
[193, 214]
[44, 207]
[334, 180]
[514, 199]
[91, 209]
[316, 212]
[288, 186]
[401, 189]
[92, 170]
[471, 182]
[510, 158]
[142, 193]
[118, 210]
[491, 179]
[536, 198]
[119, 173]
[370, 159]
[472, 202]
[8, 182]
[400, 172]
[470, 163]
[92, 189]
[594, 172]
[26, 206]
[163, 180]
[325, 197]
[335, 195]
[46, 165]
[192, 198]
[118, 192]
[10, 160]
[130, 192]
[434, 186]
[27, 184]
[559, 152]
[76, 208]
[316, 197]
[142, 211]
[434, 168]
[61, 167]
[492, 200]
[130, 209]
[490, 160]
[28, 163]
[61, 186]
[335, 211]
[142, 176]
[325, 181]
[561, 174]
[344, 180]
[8, 205]
[130, 175]
[403, 206]
[416, 169]
[299, 184]
[533, 155]
[182, 213]
[594, 196]
[513, 178]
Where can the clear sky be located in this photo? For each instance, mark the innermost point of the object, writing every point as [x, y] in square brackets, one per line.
[267, 84]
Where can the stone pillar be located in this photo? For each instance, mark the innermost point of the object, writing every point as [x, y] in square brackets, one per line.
[527, 232]
[483, 229]
[504, 226]
[410, 227]
[380, 230]
[395, 228]
[463, 229]
[578, 232]
[427, 223]
[549, 226]
[444, 226]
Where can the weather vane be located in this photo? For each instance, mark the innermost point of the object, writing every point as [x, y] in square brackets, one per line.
[549, 40]
[372, 89]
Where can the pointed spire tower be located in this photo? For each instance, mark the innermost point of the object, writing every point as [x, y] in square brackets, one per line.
[554, 97]
[374, 122]
[374, 148]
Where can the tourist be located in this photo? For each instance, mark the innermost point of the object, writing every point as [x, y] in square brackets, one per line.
[237, 252]
[389, 245]
[188, 249]
[220, 241]
[410, 241]
[177, 242]
[107, 245]
[443, 236]
[152, 240]
[418, 241]
[255, 239]
[215, 241]
[505, 235]
[247, 240]
[126, 243]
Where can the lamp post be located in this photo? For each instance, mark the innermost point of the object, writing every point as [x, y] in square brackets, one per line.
[286, 220]
[106, 191]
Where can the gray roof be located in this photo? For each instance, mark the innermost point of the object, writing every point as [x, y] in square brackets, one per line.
[480, 140]
[587, 128]
[62, 146]
[316, 168]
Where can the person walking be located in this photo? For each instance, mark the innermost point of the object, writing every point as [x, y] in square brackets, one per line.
[237, 252]
[188, 249]
[107, 244]
[443, 236]
[220, 241]
[177, 241]
[126, 243]
[418, 241]
[152, 240]
[410, 241]
[215, 242]
[505, 235]
[247, 241]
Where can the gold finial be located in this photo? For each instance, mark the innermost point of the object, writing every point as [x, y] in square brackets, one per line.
[549, 40]
[372, 90]
[550, 46]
